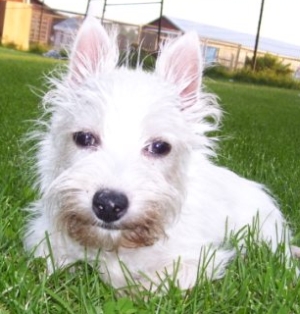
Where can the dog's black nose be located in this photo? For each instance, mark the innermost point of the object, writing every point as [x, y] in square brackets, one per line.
[110, 205]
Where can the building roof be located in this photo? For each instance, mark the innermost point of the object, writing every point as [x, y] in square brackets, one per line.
[246, 40]
[40, 4]
[69, 25]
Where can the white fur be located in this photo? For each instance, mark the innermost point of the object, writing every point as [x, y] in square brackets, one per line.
[197, 203]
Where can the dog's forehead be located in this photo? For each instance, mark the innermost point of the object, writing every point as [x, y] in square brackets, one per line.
[133, 97]
[139, 89]
[137, 107]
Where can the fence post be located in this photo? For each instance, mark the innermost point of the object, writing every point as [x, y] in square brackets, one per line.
[237, 57]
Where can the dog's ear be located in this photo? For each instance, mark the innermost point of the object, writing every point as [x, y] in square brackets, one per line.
[180, 63]
[93, 51]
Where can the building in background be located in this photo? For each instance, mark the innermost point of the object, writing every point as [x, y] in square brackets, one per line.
[42, 21]
[26, 22]
[23, 22]
[220, 46]
[65, 31]
[15, 21]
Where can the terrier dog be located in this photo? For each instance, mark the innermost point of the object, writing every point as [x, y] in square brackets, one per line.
[125, 174]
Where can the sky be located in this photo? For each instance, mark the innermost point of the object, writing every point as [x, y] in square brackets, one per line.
[281, 18]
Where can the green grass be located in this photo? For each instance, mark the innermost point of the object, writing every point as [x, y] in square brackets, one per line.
[260, 140]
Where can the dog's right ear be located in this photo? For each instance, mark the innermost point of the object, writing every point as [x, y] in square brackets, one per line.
[180, 63]
[93, 52]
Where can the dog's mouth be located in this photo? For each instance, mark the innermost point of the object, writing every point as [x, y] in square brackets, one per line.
[109, 226]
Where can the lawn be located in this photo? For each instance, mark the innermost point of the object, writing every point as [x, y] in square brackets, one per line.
[260, 139]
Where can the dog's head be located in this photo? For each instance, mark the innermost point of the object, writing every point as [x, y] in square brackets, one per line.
[114, 162]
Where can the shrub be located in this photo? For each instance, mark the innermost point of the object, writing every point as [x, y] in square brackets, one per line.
[10, 45]
[38, 48]
[218, 71]
[266, 77]
[269, 71]
[269, 62]
[64, 53]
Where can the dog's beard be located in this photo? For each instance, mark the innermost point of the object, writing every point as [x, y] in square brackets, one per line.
[142, 229]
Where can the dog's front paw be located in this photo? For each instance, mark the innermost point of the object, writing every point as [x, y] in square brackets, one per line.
[49, 247]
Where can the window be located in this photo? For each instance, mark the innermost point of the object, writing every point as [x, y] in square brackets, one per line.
[211, 55]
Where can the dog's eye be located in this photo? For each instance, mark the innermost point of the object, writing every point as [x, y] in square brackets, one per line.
[85, 139]
[158, 148]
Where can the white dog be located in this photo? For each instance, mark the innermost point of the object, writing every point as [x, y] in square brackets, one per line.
[124, 171]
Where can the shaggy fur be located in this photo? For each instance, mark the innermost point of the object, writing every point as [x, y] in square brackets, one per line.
[143, 135]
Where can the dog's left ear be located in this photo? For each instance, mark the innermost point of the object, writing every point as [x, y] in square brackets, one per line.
[180, 63]
[93, 51]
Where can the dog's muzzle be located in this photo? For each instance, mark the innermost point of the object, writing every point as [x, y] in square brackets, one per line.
[110, 205]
